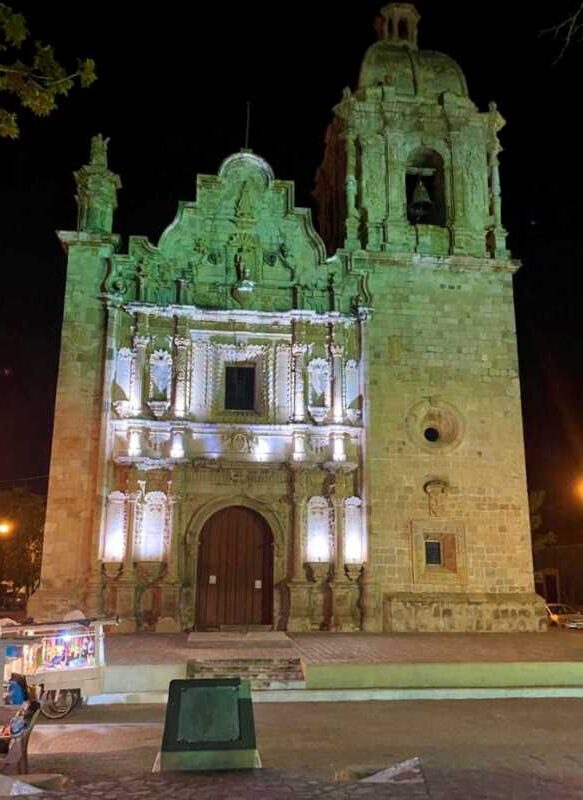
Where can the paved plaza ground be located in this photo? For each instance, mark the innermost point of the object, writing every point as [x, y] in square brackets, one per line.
[329, 648]
[469, 750]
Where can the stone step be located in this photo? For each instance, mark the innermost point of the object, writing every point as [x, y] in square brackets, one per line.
[262, 673]
[239, 640]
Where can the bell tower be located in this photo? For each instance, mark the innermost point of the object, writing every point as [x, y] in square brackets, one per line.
[411, 165]
[409, 199]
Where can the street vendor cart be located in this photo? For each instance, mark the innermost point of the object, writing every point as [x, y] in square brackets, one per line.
[63, 661]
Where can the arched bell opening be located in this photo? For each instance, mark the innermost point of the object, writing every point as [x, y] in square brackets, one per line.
[425, 187]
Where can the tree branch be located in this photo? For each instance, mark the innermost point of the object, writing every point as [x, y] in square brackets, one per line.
[567, 30]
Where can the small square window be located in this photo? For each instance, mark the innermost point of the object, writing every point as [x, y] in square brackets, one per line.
[433, 554]
[240, 388]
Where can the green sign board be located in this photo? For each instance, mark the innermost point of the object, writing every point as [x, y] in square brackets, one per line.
[209, 725]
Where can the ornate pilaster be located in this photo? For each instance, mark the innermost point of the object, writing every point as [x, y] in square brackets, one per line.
[169, 621]
[300, 616]
[337, 351]
[137, 388]
[345, 591]
[352, 214]
[299, 351]
[181, 345]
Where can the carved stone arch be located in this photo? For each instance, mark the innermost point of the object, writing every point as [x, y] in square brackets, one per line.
[206, 511]
[427, 169]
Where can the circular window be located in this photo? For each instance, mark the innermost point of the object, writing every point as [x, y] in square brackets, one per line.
[433, 424]
[431, 434]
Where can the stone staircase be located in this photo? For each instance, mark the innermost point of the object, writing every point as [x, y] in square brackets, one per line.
[275, 672]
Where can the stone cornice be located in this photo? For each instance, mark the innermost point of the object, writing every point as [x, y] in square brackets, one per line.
[370, 261]
[83, 238]
[216, 428]
[281, 318]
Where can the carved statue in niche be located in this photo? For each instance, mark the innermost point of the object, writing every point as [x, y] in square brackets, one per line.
[318, 389]
[244, 204]
[160, 375]
[241, 269]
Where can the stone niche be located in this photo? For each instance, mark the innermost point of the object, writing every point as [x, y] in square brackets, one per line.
[405, 612]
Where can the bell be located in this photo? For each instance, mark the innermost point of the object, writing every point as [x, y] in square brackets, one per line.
[421, 204]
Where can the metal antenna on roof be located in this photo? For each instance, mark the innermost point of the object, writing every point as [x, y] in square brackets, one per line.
[247, 126]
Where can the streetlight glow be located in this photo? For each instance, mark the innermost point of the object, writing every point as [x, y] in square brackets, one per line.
[5, 528]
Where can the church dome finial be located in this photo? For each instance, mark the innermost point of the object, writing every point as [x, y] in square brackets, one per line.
[398, 24]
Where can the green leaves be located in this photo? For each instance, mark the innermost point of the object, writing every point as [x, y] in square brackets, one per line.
[13, 26]
[35, 83]
[21, 551]
[8, 125]
[87, 74]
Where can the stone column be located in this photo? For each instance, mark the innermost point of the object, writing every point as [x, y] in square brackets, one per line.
[174, 516]
[352, 214]
[137, 390]
[495, 188]
[299, 588]
[170, 613]
[500, 250]
[181, 371]
[345, 615]
[299, 351]
[338, 503]
[126, 585]
[298, 523]
[337, 352]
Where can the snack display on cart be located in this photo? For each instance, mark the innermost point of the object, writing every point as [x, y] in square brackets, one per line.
[63, 661]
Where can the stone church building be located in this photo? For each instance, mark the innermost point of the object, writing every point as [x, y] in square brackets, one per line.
[263, 424]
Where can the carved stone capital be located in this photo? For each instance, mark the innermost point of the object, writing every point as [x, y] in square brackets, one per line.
[141, 342]
[299, 349]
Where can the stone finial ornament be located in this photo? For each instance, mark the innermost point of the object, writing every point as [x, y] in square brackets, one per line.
[99, 151]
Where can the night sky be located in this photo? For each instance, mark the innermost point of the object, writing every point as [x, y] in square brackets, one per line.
[173, 84]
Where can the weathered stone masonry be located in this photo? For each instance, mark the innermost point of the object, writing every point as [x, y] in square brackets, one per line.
[380, 439]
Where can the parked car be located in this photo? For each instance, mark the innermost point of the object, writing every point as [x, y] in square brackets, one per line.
[564, 616]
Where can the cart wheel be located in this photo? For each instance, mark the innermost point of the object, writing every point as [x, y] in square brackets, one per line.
[56, 704]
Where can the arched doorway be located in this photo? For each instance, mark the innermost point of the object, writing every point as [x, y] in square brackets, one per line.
[235, 570]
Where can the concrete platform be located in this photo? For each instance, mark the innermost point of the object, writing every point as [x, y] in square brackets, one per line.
[145, 663]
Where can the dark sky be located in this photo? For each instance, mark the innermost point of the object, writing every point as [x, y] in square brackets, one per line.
[173, 83]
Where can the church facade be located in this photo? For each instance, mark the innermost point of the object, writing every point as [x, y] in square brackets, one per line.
[262, 425]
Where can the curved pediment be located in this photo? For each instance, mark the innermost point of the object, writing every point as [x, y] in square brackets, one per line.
[242, 243]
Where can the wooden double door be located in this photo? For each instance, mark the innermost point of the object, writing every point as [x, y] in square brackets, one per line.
[235, 570]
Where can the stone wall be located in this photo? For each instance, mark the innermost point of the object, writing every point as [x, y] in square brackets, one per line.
[406, 612]
[442, 356]
[73, 506]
